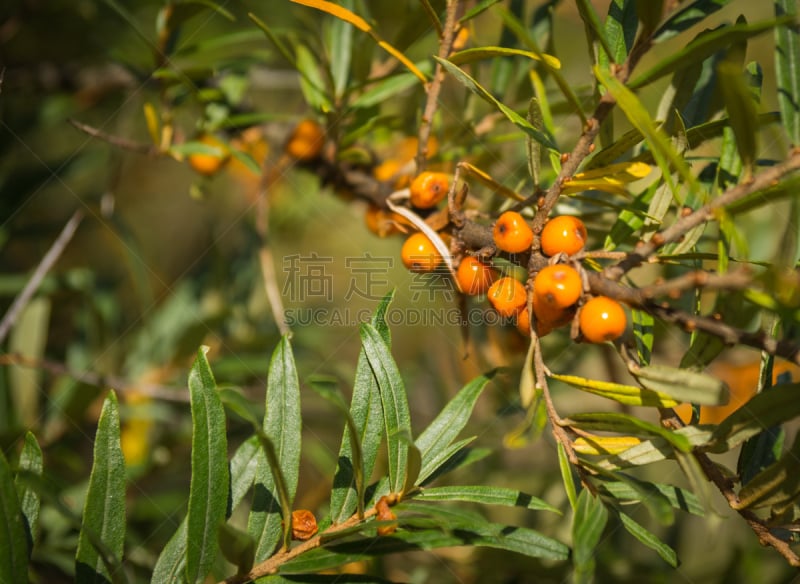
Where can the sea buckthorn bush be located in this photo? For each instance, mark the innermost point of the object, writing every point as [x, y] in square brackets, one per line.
[427, 290]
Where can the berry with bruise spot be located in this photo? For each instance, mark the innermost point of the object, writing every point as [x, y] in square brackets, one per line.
[511, 233]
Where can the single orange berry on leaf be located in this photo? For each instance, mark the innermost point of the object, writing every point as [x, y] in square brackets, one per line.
[512, 233]
[508, 296]
[209, 163]
[474, 277]
[419, 254]
[602, 319]
[557, 287]
[306, 140]
[428, 188]
[563, 234]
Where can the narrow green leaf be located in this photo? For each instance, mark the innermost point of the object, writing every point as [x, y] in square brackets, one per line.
[620, 30]
[312, 83]
[367, 415]
[104, 510]
[787, 68]
[486, 495]
[684, 385]
[534, 148]
[664, 153]
[171, 564]
[484, 94]
[481, 53]
[566, 477]
[649, 539]
[643, 324]
[282, 432]
[340, 49]
[764, 410]
[30, 460]
[476, 10]
[588, 525]
[627, 424]
[381, 90]
[445, 460]
[592, 23]
[679, 498]
[742, 112]
[688, 16]
[208, 488]
[649, 13]
[657, 504]
[413, 467]
[396, 417]
[13, 539]
[447, 425]
[655, 449]
[29, 338]
[778, 484]
[624, 394]
[703, 47]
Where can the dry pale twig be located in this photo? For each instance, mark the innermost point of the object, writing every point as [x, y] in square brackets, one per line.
[49, 259]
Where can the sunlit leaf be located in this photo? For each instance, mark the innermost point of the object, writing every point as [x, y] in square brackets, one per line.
[625, 394]
[346, 15]
[612, 179]
[595, 445]
[626, 424]
[311, 81]
[208, 489]
[481, 53]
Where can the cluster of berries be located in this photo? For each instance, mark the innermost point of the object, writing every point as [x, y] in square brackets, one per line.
[558, 289]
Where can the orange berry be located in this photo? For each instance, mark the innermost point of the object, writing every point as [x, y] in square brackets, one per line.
[557, 287]
[524, 324]
[474, 277]
[209, 164]
[306, 141]
[428, 188]
[602, 319]
[547, 316]
[419, 254]
[507, 296]
[304, 524]
[382, 222]
[563, 234]
[511, 233]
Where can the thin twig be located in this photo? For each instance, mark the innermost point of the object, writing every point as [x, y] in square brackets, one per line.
[124, 143]
[49, 259]
[162, 392]
[674, 232]
[435, 86]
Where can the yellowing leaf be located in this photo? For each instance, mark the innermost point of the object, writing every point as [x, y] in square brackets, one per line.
[151, 117]
[338, 11]
[625, 394]
[348, 16]
[487, 181]
[612, 178]
[479, 53]
[598, 445]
